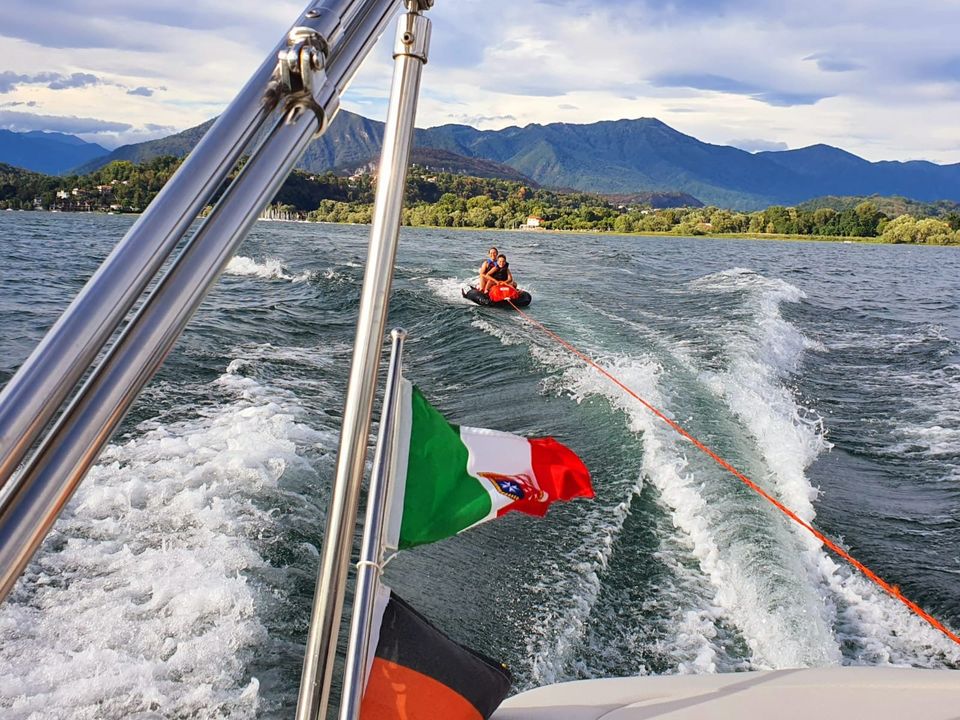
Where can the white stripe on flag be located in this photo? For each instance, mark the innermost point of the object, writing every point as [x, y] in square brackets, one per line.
[398, 482]
[498, 453]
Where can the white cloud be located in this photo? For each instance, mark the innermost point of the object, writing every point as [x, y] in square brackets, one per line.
[758, 145]
[24, 122]
[882, 83]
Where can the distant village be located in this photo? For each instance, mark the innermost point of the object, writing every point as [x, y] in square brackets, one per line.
[86, 199]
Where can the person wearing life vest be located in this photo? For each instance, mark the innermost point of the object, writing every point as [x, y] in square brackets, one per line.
[488, 265]
[500, 275]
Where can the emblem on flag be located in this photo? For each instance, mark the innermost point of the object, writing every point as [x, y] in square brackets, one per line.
[516, 487]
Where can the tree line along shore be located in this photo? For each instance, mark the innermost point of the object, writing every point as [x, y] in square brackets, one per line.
[440, 199]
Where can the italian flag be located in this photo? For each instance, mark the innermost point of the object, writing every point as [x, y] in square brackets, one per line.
[449, 478]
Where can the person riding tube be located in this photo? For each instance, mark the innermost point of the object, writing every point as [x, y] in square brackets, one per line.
[488, 265]
[499, 275]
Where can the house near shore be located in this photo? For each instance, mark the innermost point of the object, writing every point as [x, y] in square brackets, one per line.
[534, 222]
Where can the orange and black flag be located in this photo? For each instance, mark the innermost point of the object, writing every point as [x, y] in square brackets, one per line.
[418, 673]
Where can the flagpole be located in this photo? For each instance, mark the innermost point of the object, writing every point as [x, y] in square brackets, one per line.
[371, 553]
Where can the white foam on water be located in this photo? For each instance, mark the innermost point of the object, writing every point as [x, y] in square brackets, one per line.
[508, 333]
[878, 630]
[338, 277]
[140, 601]
[762, 354]
[938, 440]
[933, 429]
[927, 424]
[269, 269]
[307, 355]
[300, 370]
[573, 587]
[890, 341]
[691, 630]
[749, 599]
[767, 611]
[448, 289]
[675, 624]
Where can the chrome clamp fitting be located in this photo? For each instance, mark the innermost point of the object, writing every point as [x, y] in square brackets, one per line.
[300, 80]
[413, 32]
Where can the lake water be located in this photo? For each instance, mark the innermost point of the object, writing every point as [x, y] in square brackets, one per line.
[180, 577]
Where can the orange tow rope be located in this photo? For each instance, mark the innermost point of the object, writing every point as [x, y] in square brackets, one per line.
[892, 590]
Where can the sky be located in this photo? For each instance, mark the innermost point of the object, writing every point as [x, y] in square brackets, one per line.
[875, 77]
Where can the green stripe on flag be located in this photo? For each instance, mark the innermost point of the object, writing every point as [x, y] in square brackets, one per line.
[440, 498]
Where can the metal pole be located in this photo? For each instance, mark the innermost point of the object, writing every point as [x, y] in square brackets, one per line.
[371, 555]
[410, 54]
[29, 507]
[33, 395]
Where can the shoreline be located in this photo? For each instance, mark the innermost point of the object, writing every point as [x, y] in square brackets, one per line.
[757, 237]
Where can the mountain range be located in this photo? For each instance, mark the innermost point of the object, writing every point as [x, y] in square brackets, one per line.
[621, 157]
[50, 153]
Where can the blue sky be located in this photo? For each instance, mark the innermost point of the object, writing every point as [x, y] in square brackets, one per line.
[878, 78]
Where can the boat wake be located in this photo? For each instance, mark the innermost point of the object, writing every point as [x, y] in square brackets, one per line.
[772, 597]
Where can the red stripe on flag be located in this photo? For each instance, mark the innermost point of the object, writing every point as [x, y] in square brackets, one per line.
[559, 473]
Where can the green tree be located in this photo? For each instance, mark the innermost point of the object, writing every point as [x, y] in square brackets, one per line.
[901, 230]
[933, 232]
[623, 224]
[869, 217]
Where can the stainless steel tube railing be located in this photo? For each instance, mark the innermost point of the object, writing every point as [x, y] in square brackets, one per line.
[30, 505]
[33, 395]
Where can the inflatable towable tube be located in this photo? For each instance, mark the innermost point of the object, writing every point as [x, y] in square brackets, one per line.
[499, 296]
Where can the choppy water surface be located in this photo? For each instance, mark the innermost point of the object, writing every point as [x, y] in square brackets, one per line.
[180, 577]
